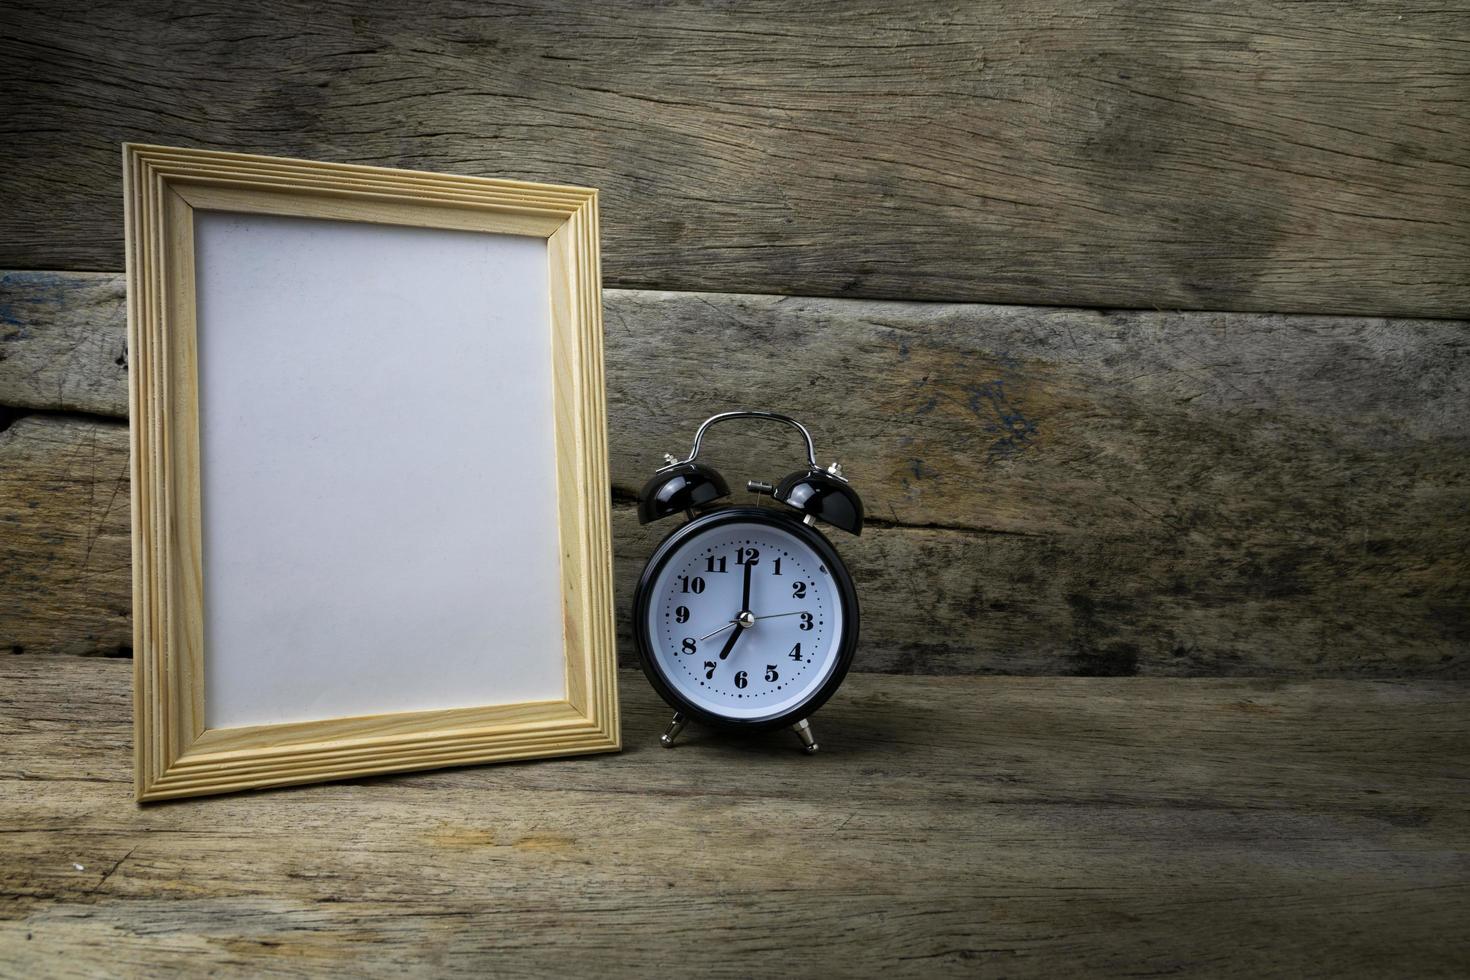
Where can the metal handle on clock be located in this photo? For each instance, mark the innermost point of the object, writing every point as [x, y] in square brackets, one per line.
[811, 451]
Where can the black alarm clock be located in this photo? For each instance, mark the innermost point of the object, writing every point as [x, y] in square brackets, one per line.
[745, 617]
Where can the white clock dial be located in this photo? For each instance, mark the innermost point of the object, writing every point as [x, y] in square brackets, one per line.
[791, 644]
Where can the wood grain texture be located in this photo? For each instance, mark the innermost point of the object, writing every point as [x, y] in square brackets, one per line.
[1017, 827]
[63, 343]
[1249, 156]
[65, 560]
[1055, 491]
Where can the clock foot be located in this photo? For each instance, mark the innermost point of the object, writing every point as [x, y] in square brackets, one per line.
[803, 728]
[672, 732]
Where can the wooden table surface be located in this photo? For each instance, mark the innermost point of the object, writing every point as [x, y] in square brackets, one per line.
[993, 826]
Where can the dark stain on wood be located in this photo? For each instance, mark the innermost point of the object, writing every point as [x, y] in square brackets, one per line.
[1096, 652]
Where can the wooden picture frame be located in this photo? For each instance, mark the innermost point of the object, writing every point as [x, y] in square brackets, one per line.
[181, 748]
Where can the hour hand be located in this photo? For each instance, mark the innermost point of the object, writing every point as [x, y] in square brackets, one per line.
[730, 644]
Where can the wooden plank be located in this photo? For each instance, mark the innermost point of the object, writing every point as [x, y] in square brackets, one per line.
[63, 343]
[1055, 490]
[1250, 157]
[65, 558]
[1021, 827]
[934, 600]
[965, 415]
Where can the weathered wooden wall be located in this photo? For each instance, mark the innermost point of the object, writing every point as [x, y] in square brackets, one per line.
[1247, 156]
[1052, 490]
[1072, 490]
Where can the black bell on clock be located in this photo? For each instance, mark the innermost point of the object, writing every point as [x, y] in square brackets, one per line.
[823, 495]
[746, 617]
[679, 489]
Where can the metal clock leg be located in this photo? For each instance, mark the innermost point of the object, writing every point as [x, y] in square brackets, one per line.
[672, 732]
[803, 728]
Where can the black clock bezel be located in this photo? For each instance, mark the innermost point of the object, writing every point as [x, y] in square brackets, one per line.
[771, 517]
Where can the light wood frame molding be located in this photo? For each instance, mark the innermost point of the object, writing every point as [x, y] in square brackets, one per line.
[176, 755]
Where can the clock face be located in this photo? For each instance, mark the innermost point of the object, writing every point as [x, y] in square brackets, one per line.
[745, 620]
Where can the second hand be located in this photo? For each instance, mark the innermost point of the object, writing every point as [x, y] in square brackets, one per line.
[718, 631]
